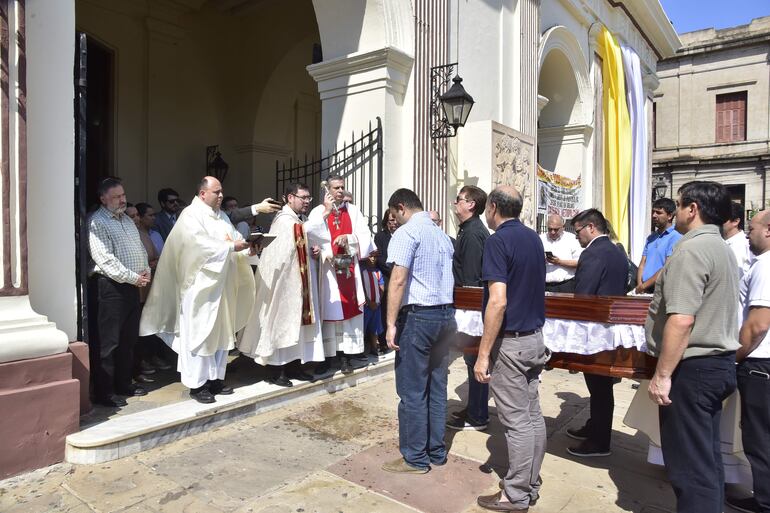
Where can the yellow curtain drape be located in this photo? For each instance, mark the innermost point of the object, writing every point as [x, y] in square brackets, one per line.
[617, 138]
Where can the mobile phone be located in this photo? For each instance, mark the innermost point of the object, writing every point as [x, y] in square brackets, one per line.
[275, 202]
[549, 254]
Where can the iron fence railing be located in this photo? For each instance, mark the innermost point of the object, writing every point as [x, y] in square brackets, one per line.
[359, 162]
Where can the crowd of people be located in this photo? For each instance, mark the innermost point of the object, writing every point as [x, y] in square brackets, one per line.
[323, 290]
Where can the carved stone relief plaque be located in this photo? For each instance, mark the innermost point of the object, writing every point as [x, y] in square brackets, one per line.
[514, 164]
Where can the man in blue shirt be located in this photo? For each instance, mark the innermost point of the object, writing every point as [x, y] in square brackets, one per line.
[512, 352]
[420, 323]
[660, 244]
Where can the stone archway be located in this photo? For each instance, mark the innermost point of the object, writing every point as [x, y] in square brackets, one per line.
[566, 119]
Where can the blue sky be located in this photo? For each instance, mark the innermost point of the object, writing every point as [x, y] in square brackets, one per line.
[689, 15]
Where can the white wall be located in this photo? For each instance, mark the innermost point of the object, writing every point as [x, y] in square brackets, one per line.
[50, 142]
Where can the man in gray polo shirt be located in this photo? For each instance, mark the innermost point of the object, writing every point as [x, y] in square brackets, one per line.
[692, 328]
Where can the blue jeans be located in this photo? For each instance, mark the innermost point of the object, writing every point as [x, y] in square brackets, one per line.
[689, 431]
[478, 393]
[421, 383]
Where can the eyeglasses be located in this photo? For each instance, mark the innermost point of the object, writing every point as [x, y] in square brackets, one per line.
[304, 198]
[577, 230]
[172, 200]
[458, 199]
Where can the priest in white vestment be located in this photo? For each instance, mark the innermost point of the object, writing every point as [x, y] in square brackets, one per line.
[284, 326]
[203, 292]
[342, 232]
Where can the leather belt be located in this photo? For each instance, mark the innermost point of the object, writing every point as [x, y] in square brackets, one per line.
[517, 334]
[417, 308]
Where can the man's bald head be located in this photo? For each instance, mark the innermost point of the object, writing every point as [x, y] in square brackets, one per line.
[435, 217]
[210, 192]
[763, 216]
[504, 203]
[759, 232]
[555, 226]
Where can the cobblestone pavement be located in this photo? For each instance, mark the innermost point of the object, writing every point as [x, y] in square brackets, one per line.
[324, 455]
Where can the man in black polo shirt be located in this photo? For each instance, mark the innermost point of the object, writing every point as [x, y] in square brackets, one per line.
[466, 268]
[512, 352]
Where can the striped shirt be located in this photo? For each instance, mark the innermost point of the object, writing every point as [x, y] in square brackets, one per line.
[421, 246]
[372, 280]
[116, 248]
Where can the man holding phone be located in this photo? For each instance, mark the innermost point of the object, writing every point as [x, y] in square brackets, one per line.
[562, 252]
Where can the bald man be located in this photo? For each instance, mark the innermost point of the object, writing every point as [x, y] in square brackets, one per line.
[204, 292]
[562, 251]
[513, 272]
[753, 369]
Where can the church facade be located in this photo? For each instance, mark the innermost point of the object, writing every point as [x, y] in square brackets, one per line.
[157, 83]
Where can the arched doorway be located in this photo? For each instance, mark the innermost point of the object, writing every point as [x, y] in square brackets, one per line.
[565, 121]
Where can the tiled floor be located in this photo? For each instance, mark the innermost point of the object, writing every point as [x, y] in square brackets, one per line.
[324, 455]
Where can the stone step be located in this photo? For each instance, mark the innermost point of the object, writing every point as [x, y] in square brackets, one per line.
[125, 435]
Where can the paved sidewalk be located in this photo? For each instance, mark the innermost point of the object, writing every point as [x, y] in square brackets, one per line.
[324, 455]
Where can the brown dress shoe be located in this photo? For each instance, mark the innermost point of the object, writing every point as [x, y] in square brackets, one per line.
[400, 466]
[493, 503]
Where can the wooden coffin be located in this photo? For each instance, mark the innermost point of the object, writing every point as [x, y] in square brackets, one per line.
[621, 362]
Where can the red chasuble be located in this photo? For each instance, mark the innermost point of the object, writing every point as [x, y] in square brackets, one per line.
[345, 281]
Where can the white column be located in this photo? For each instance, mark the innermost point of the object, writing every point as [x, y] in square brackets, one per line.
[43, 51]
[356, 89]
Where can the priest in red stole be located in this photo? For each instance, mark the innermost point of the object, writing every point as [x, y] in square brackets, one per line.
[342, 233]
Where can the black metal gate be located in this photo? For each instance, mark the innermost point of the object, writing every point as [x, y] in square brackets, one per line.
[81, 227]
[358, 162]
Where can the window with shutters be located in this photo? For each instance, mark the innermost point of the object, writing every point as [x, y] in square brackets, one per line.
[731, 117]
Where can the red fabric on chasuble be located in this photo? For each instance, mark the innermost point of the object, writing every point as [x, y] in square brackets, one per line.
[301, 242]
[345, 281]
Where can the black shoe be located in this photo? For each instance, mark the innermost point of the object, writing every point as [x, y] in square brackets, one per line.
[747, 505]
[345, 366]
[322, 368]
[159, 363]
[302, 376]
[588, 449]
[202, 395]
[146, 368]
[281, 381]
[460, 414]
[218, 387]
[141, 378]
[579, 433]
[133, 391]
[110, 402]
[466, 424]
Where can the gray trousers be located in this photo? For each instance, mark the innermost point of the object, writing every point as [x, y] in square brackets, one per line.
[516, 367]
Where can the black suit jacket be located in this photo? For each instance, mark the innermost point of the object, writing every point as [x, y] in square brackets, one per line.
[163, 224]
[602, 269]
[241, 214]
[381, 240]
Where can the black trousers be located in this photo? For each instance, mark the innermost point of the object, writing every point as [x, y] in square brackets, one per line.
[754, 386]
[562, 286]
[689, 431]
[118, 323]
[602, 406]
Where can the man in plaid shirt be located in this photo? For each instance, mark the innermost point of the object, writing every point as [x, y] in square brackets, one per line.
[120, 263]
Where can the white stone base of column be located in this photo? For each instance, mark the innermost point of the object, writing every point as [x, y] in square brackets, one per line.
[25, 334]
